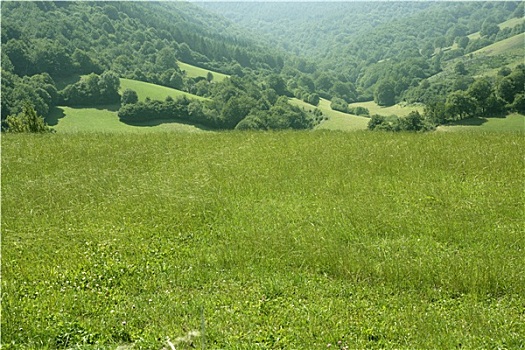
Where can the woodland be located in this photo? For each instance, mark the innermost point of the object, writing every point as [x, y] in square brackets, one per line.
[73, 54]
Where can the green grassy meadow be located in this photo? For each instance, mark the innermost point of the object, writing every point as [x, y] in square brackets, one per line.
[194, 71]
[153, 91]
[336, 120]
[292, 240]
[398, 109]
[105, 118]
[511, 123]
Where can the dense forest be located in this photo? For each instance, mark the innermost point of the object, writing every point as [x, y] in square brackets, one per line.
[74, 53]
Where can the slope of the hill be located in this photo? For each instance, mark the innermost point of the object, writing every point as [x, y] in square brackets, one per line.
[65, 37]
[370, 42]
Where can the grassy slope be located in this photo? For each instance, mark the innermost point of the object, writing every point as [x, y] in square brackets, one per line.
[337, 120]
[153, 91]
[105, 119]
[193, 71]
[513, 122]
[507, 24]
[398, 110]
[514, 44]
[271, 240]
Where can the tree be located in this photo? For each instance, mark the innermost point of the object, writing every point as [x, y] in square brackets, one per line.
[480, 91]
[412, 122]
[463, 42]
[489, 28]
[129, 96]
[27, 121]
[459, 105]
[460, 69]
[166, 59]
[209, 77]
[384, 94]
[277, 83]
[313, 99]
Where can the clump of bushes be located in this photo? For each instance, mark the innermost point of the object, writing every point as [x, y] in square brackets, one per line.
[338, 104]
[26, 121]
[414, 121]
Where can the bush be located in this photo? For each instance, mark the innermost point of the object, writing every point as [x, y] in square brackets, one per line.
[27, 121]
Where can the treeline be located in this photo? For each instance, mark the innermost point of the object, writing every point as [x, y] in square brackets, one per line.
[381, 49]
[462, 96]
[237, 104]
[484, 97]
[130, 38]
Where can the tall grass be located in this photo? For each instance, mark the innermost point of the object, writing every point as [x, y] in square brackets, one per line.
[270, 240]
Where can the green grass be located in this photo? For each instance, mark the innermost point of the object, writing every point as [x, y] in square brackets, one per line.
[511, 23]
[513, 123]
[193, 71]
[153, 91]
[105, 119]
[399, 110]
[514, 44]
[290, 240]
[336, 120]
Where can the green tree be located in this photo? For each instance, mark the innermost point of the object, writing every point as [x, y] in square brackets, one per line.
[27, 121]
[129, 96]
[489, 28]
[384, 94]
[459, 105]
[480, 91]
[460, 69]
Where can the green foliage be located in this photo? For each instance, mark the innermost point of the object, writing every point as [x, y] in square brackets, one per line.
[26, 121]
[384, 94]
[39, 90]
[129, 96]
[338, 104]
[414, 121]
[92, 90]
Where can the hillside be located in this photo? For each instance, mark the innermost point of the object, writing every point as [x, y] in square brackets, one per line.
[349, 52]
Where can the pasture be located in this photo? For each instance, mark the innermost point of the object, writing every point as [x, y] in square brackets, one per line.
[398, 109]
[336, 120]
[511, 123]
[194, 72]
[263, 240]
[153, 91]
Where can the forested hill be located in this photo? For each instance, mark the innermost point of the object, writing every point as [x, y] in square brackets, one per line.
[63, 37]
[74, 53]
[366, 41]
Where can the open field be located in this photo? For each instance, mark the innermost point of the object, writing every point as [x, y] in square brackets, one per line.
[513, 122]
[512, 45]
[292, 240]
[153, 91]
[193, 72]
[399, 110]
[337, 120]
[105, 119]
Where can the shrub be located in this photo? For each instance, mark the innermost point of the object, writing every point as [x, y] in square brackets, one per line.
[27, 121]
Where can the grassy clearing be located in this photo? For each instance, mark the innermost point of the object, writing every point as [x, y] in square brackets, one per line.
[193, 72]
[105, 119]
[399, 110]
[268, 240]
[511, 123]
[153, 91]
[336, 120]
[512, 45]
